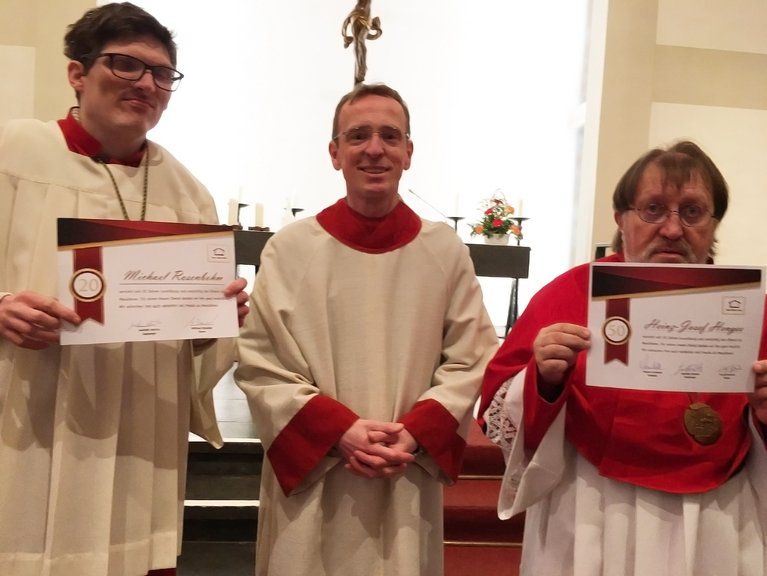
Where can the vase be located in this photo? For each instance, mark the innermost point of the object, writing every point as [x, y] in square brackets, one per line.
[497, 239]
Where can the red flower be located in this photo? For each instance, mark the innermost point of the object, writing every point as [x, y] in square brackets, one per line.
[497, 223]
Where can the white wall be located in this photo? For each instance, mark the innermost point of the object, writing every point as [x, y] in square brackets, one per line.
[493, 88]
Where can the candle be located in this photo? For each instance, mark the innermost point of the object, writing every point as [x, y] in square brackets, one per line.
[234, 209]
[519, 209]
[259, 215]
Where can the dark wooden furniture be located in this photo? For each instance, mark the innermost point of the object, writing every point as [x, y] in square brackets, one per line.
[503, 262]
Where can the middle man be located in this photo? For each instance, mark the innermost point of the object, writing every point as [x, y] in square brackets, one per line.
[362, 359]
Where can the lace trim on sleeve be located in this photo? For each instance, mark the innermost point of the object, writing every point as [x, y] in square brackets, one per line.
[500, 428]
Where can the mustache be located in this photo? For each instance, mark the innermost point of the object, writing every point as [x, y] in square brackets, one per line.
[680, 246]
[135, 94]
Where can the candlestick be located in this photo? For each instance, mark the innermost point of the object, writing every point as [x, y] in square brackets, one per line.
[519, 220]
[455, 220]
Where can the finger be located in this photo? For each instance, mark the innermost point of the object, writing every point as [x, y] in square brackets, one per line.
[385, 427]
[567, 328]
[379, 437]
[378, 455]
[358, 468]
[61, 312]
[759, 367]
[563, 340]
[236, 287]
[242, 313]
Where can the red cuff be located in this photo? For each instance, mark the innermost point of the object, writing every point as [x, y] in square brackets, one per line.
[436, 431]
[307, 438]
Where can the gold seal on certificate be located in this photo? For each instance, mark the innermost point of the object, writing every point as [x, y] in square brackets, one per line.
[87, 285]
[702, 423]
[616, 330]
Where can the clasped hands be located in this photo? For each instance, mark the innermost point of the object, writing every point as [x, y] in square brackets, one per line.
[557, 346]
[31, 320]
[375, 449]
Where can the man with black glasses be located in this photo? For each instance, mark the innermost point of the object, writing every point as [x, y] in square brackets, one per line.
[93, 438]
[361, 364]
[623, 481]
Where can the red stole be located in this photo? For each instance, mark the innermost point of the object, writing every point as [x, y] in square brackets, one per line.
[372, 235]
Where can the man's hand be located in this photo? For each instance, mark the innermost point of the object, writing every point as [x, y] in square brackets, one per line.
[237, 288]
[759, 398]
[556, 349]
[31, 320]
[375, 449]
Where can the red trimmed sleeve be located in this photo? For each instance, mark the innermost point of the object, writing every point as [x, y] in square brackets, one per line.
[436, 431]
[308, 437]
[538, 413]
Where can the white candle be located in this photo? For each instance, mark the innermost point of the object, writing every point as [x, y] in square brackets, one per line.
[259, 215]
[519, 209]
[234, 209]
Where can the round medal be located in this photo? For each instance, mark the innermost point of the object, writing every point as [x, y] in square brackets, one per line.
[702, 423]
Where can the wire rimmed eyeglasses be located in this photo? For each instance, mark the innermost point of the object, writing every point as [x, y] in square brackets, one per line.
[131, 68]
[390, 135]
[690, 215]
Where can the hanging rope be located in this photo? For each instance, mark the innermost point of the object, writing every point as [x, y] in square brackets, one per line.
[361, 28]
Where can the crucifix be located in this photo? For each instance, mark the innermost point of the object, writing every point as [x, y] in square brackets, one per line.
[357, 29]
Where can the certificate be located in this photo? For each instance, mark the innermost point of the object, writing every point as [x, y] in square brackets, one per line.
[136, 281]
[674, 327]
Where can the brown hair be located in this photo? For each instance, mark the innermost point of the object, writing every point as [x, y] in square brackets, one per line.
[679, 163]
[85, 38]
[361, 90]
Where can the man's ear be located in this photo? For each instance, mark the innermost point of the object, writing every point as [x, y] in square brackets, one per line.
[333, 150]
[406, 164]
[75, 74]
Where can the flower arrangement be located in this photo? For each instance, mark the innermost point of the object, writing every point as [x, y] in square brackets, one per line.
[497, 218]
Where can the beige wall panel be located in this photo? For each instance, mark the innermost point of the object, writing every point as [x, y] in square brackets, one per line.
[54, 96]
[626, 100]
[710, 77]
[736, 140]
[17, 21]
[40, 25]
[17, 62]
[737, 25]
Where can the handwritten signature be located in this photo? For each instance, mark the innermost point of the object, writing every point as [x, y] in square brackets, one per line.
[729, 369]
[689, 369]
[648, 364]
[200, 323]
[145, 324]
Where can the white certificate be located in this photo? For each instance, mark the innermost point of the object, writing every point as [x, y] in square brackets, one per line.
[674, 327]
[136, 281]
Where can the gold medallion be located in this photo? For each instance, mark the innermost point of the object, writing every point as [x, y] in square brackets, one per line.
[702, 423]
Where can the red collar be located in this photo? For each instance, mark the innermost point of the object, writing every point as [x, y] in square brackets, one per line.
[79, 141]
[373, 235]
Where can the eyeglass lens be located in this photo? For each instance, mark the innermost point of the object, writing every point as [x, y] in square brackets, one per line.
[689, 214]
[131, 68]
[390, 135]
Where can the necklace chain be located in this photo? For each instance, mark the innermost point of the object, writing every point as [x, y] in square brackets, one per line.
[117, 189]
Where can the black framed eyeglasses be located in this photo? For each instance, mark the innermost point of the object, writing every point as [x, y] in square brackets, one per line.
[690, 215]
[131, 68]
[390, 135]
